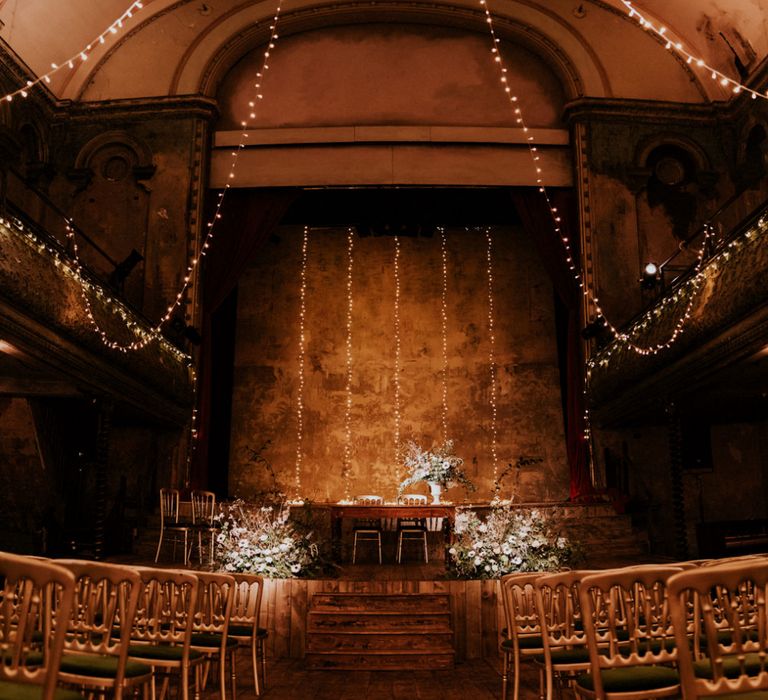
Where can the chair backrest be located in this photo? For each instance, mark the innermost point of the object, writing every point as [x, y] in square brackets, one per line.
[246, 606]
[36, 596]
[519, 601]
[559, 609]
[215, 595]
[412, 499]
[369, 500]
[169, 506]
[105, 600]
[729, 604]
[166, 608]
[203, 507]
[626, 612]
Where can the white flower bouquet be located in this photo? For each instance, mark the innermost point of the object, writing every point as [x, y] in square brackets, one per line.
[437, 466]
[262, 540]
[510, 539]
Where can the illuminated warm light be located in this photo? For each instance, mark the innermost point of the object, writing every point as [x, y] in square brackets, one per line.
[715, 74]
[302, 354]
[492, 354]
[444, 331]
[81, 55]
[570, 258]
[7, 349]
[398, 356]
[347, 465]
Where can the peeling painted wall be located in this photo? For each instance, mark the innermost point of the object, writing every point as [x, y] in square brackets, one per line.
[266, 363]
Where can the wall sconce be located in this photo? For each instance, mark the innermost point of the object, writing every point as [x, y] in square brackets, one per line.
[651, 276]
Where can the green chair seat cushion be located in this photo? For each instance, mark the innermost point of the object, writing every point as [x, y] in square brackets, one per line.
[754, 695]
[725, 638]
[160, 652]
[731, 668]
[211, 640]
[527, 642]
[241, 630]
[632, 678]
[29, 691]
[577, 655]
[98, 666]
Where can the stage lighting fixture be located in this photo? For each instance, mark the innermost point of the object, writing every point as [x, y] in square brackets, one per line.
[651, 276]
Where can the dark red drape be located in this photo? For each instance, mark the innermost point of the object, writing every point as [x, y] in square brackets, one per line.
[536, 218]
[248, 218]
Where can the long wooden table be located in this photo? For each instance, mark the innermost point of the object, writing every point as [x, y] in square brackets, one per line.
[340, 511]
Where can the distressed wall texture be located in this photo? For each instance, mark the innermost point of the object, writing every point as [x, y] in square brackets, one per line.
[266, 364]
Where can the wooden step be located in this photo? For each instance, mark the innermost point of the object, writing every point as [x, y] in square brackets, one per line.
[384, 602]
[379, 631]
[384, 661]
[319, 621]
[432, 642]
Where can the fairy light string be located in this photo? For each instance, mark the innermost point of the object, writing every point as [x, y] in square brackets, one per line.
[444, 330]
[672, 44]
[80, 56]
[492, 354]
[347, 465]
[570, 257]
[302, 357]
[207, 240]
[398, 358]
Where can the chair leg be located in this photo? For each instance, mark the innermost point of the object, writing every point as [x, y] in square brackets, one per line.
[159, 544]
[504, 676]
[516, 681]
[255, 666]
[234, 673]
[426, 550]
[263, 664]
[399, 547]
[378, 538]
[223, 675]
[354, 548]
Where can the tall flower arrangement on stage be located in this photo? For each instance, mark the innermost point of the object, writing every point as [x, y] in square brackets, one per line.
[262, 540]
[510, 539]
[437, 466]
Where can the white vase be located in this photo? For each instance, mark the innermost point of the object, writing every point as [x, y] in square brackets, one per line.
[435, 490]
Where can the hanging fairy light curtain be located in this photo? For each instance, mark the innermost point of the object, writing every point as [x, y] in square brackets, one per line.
[347, 464]
[398, 357]
[444, 331]
[492, 353]
[302, 354]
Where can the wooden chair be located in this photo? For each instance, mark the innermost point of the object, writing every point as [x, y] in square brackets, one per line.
[170, 521]
[203, 512]
[630, 657]
[367, 529]
[730, 605]
[215, 595]
[523, 639]
[96, 647]
[161, 635]
[412, 529]
[32, 628]
[244, 623]
[562, 629]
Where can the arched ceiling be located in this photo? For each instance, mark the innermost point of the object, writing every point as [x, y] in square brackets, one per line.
[185, 46]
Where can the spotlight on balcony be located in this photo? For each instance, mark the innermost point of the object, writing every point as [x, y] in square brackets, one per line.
[651, 276]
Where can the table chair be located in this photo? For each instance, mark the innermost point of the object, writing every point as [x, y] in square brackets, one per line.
[170, 522]
[412, 529]
[203, 513]
[244, 623]
[367, 529]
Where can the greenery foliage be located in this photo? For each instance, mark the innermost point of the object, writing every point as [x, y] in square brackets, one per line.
[438, 466]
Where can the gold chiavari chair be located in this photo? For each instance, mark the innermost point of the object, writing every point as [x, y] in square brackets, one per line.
[36, 599]
[215, 596]
[367, 529]
[631, 643]
[562, 629]
[523, 633]
[171, 523]
[203, 512]
[412, 529]
[732, 622]
[96, 647]
[244, 623]
[161, 635]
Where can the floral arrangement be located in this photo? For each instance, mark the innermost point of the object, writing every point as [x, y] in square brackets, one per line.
[437, 466]
[510, 539]
[262, 540]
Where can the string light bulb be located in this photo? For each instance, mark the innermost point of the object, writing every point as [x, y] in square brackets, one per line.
[347, 465]
[302, 354]
[398, 357]
[492, 354]
[444, 330]
[81, 55]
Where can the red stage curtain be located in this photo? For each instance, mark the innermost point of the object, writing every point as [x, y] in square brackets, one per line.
[534, 213]
[248, 218]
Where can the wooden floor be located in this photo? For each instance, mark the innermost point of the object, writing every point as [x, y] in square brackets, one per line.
[287, 679]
